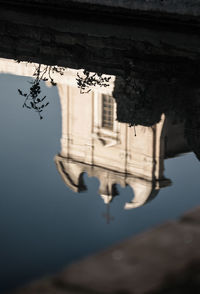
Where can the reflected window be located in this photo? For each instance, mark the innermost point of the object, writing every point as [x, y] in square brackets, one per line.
[107, 112]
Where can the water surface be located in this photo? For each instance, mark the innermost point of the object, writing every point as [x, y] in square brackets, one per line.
[45, 223]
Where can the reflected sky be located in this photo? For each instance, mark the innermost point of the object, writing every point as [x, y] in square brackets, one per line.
[43, 224]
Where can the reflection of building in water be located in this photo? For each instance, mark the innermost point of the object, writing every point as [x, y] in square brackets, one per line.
[95, 143]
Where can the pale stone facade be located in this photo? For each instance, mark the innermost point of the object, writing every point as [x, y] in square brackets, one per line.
[120, 155]
[115, 153]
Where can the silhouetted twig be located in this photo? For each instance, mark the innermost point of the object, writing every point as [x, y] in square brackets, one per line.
[33, 99]
[88, 80]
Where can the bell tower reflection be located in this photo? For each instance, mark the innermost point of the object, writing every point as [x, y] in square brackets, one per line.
[93, 142]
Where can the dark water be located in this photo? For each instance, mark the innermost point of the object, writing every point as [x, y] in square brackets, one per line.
[44, 225]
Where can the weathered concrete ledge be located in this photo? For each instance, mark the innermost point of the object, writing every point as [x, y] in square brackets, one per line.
[36, 36]
[163, 260]
[182, 10]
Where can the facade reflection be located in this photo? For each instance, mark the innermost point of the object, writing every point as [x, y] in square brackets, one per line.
[94, 142]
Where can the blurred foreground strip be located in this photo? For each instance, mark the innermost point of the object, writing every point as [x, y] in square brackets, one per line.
[163, 260]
